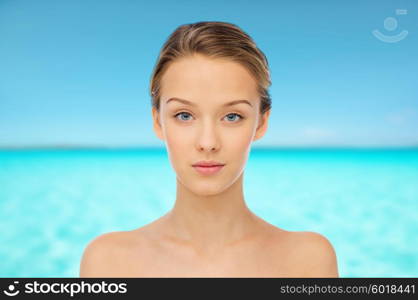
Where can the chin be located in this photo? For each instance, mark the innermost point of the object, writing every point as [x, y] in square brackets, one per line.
[206, 188]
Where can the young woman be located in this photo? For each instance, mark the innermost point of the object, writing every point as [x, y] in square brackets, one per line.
[210, 101]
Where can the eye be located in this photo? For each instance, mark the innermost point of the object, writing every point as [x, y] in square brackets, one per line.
[235, 114]
[181, 113]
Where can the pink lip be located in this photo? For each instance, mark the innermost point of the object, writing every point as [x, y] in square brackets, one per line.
[208, 170]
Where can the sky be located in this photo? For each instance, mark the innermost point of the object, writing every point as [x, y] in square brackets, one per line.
[76, 72]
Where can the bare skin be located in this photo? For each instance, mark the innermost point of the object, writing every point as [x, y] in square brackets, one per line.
[150, 251]
[210, 231]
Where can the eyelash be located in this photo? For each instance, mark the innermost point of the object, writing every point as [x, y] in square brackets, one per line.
[185, 112]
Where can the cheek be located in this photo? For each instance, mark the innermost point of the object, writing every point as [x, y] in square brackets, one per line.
[239, 139]
[176, 141]
[179, 144]
[239, 147]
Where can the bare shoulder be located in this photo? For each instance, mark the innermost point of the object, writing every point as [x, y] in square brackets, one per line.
[314, 254]
[104, 254]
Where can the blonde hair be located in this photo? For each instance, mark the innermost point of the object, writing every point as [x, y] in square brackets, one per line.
[215, 40]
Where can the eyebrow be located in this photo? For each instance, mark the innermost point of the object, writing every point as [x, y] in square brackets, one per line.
[187, 102]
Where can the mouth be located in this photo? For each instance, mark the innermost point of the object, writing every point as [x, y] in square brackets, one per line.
[208, 170]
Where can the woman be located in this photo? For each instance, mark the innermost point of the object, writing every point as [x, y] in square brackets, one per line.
[210, 101]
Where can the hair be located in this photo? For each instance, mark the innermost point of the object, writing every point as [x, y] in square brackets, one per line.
[215, 40]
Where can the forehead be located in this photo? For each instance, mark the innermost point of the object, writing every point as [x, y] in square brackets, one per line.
[203, 78]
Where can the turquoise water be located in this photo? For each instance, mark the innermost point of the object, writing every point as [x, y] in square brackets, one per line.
[53, 202]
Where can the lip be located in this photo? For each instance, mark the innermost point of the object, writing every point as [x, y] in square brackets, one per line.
[208, 163]
[210, 170]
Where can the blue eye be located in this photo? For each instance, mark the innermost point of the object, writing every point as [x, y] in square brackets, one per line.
[235, 114]
[187, 114]
[181, 113]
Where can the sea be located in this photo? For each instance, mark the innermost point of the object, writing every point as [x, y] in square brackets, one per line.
[53, 202]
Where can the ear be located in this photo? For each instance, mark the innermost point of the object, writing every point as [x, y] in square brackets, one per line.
[262, 126]
[157, 124]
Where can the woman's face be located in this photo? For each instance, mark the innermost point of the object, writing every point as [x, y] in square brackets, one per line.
[208, 129]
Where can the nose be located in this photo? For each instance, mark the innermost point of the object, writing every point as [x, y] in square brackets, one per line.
[208, 139]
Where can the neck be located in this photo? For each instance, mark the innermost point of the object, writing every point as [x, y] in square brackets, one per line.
[210, 222]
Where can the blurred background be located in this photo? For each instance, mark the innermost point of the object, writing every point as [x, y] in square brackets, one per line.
[79, 157]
